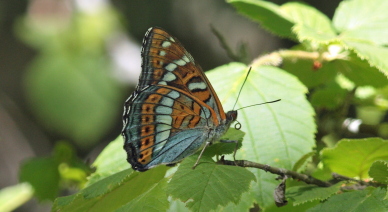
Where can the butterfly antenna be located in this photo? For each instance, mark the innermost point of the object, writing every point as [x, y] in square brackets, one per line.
[260, 104]
[238, 96]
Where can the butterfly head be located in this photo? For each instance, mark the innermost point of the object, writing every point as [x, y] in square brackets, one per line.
[231, 116]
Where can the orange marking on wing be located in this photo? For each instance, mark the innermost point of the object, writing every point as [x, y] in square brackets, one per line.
[163, 91]
[153, 98]
[157, 62]
[147, 108]
[179, 113]
[147, 130]
[190, 72]
[157, 75]
[195, 119]
[197, 101]
[147, 119]
[160, 34]
[146, 149]
[202, 95]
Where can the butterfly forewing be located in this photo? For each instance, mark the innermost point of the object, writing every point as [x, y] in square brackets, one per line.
[166, 62]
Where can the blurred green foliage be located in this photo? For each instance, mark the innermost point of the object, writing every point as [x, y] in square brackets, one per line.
[69, 85]
[48, 175]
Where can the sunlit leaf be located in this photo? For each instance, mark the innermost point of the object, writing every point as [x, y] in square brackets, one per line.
[359, 200]
[111, 160]
[302, 194]
[354, 157]
[362, 20]
[266, 13]
[277, 134]
[379, 171]
[209, 184]
[112, 192]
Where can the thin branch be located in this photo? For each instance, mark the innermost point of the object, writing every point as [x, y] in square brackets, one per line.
[279, 171]
[277, 57]
[359, 182]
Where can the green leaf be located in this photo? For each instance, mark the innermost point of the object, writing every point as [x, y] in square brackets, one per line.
[112, 192]
[14, 196]
[360, 71]
[299, 165]
[293, 208]
[210, 185]
[354, 157]
[154, 199]
[331, 96]
[72, 169]
[379, 171]
[293, 17]
[177, 205]
[311, 24]
[306, 193]
[110, 161]
[221, 148]
[375, 55]
[305, 72]
[266, 13]
[362, 20]
[356, 201]
[277, 134]
[245, 204]
[43, 175]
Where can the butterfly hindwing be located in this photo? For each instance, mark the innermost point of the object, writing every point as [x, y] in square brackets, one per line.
[158, 126]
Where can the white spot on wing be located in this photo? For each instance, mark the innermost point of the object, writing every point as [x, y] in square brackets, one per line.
[163, 127]
[162, 53]
[166, 119]
[169, 77]
[180, 62]
[197, 85]
[166, 44]
[163, 133]
[173, 94]
[163, 110]
[162, 83]
[167, 101]
[185, 58]
[171, 67]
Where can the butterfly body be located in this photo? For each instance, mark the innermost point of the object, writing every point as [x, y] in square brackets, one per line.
[174, 110]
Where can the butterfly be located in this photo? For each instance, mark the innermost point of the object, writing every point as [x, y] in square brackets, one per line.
[174, 111]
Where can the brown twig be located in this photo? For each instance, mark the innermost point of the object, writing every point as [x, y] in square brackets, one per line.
[359, 182]
[279, 171]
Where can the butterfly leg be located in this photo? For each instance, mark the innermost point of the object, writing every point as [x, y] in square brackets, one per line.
[200, 154]
[235, 148]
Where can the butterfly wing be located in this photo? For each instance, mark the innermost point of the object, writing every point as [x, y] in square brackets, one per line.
[174, 109]
[166, 62]
[164, 125]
